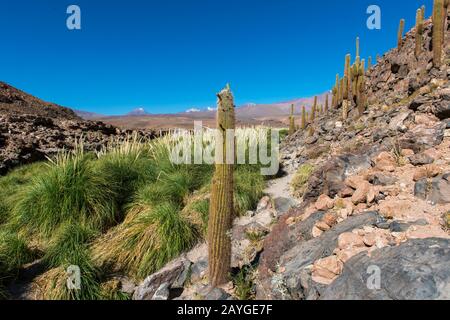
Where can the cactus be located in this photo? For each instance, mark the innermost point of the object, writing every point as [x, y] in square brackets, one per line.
[419, 32]
[345, 108]
[360, 89]
[401, 29]
[221, 203]
[346, 82]
[423, 12]
[357, 46]
[369, 63]
[292, 121]
[326, 104]
[313, 110]
[438, 32]
[303, 118]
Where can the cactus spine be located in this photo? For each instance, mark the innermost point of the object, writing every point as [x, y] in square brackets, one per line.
[221, 203]
[401, 29]
[292, 121]
[438, 32]
[419, 32]
[303, 118]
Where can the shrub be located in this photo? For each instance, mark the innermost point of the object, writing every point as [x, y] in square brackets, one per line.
[301, 178]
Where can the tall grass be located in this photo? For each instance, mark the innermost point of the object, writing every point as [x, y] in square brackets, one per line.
[127, 208]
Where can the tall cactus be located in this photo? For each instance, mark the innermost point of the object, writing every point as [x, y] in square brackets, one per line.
[346, 83]
[221, 203]
[438, 32]
[401, 29]
[357, 46]
[369, 63]
[303, 118]
[361, 89]
[326, 104]
[313, 110]
[419, 32]
[422, 9]
[292, 121]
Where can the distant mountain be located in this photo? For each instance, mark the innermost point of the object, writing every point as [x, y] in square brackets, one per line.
[138, 112]
[86, 115]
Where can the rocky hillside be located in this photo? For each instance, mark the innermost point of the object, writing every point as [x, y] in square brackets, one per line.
[31, 129]
[365, 196]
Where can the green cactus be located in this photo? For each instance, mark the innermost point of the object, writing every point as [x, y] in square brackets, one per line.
[357, 46]
[346, 83]
[292, 121]
[401, 29]
[419, 32]
[438, 32]
[313, 110]
[221, 203]
[303, 117]
[326, 103]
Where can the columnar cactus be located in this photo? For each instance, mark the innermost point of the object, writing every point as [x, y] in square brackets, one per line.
[369, 63]
[419, 32]
[423, 13]
[292, 121]
[357, 46]
[326, 103]
[221, 203]
[313, 110]
[401, 29]
[361, 89]
[303, 118]
[346, 82]
[438, 32]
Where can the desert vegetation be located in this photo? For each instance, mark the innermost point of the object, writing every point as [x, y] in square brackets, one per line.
[126, 209]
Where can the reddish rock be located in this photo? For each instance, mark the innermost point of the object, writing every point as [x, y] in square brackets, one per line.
[349, 240]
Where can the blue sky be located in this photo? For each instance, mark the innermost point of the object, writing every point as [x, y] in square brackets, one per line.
[172, 55]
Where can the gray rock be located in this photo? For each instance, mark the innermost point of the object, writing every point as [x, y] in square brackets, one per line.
[282, 205]
[440, 191]
[381, 179]
[217, 294]
[162, 293]
[287, 285]
[174, 274]
[421, 189]
[415, 270]
[420, 159]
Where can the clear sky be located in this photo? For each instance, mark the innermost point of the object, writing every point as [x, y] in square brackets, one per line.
[172, 55]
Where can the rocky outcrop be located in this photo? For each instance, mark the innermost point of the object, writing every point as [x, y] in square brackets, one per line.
[415, 270]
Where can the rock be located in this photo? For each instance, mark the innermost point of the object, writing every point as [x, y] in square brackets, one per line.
[420, 173]
[330, 219]
[394, 208]
[415, 270]
[440, 190]
[263, 204]
[420, 159]
[382, 179]
[407, 152]
[422, 137]
[346, 192]
[385, 162]
[397, 123]
[371, 195]
[282, 205]
[347, 254]
[327, 269]
[162, 293]
[217, 294]
[324, 203]
[174, 275]
[361, 192]
[432, 170]
[322, 226]
[421, 189]
[297, 251]
[316, 232]
[349, 240]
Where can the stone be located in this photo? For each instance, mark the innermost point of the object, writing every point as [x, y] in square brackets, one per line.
[355, 181]
[382, 179]
[420, 173]
[322, 226]
[330, 219]
[283, 204]
[407, 152]
[421, 189]
[162, 293]
[324, 203]
[415, 270]
[263, 204]
[420, 159]
[440, 190]
[385, 161]
[371, 195]
[394, 208]
[361, 192]
[349, 239]
[346, 192]
[347, 254]
[432, 170]
[327, 269]
[397, 123]
[217, 294]
[316, 232]
[173, 274]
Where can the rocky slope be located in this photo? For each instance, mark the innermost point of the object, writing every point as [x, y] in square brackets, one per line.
[371, 222]
[31, 129]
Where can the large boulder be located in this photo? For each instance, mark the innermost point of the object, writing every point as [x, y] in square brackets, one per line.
[415, 270]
